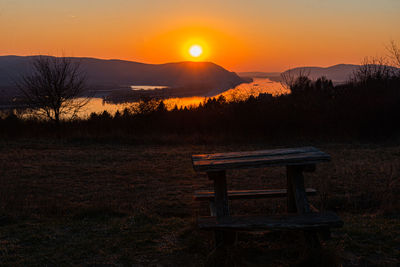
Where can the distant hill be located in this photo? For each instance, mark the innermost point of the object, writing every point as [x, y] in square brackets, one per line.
[207, 78]
[338, 73]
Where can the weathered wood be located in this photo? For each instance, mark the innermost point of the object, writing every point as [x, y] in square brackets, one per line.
[295, 176]
[296, 181]
[250, 194]
[307, 221]
[213, 210]
[297, 160]
[220, 208]
[256, 159]
[291, 202]
[257, 153]
[221, 194]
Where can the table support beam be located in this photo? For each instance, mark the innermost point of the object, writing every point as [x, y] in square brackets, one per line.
[221, 194]
[297, 200]
[296, 192]
[221, 207]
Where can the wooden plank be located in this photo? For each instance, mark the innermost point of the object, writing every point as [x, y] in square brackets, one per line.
[307, 158]
[257, 153]
[249, 194]
[245, 162]
[308, 221]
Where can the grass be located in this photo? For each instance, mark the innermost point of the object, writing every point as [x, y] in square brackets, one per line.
[81, 203]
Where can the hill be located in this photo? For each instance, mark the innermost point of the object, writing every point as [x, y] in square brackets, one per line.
[208, 78]
[338, 73]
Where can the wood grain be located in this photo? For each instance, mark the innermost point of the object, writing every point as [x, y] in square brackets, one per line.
[221, 194]
[249, 194]
[256, 159]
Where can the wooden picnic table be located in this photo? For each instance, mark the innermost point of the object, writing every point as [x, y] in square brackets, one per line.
[300, 215]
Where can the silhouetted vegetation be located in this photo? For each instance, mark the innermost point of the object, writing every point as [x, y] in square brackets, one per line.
[365, 107]
[55, 88]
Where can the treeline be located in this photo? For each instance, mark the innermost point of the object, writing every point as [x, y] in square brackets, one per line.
[367, 106]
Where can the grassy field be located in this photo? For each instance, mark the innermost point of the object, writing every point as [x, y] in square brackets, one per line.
[84, 203]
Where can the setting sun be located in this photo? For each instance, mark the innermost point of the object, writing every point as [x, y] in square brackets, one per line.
[196, 50]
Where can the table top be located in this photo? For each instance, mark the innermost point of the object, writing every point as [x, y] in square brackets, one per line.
[258, 159]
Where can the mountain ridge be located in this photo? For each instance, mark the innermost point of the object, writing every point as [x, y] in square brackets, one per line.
[338, 73]
[207, 77]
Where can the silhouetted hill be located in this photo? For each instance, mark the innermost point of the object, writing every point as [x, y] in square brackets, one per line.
[208, 78]
[338, 73]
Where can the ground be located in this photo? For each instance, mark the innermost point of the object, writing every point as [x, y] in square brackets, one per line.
[84, 203]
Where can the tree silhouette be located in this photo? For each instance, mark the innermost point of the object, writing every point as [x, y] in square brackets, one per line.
[54, 88]
[394, 53]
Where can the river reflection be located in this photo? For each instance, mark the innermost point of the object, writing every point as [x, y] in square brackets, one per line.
[242, 91]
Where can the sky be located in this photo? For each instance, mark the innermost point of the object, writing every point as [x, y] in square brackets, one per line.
[252, 35]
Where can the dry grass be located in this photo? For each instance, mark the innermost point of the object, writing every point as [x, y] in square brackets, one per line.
[71, 203]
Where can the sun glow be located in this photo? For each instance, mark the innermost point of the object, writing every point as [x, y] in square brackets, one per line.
[195, 50]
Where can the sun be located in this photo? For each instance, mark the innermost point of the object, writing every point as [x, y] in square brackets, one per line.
[195, 50]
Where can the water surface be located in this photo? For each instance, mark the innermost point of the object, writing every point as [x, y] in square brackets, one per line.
[242, 91]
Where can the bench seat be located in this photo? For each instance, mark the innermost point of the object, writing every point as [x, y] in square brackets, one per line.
[307, 221]
[249, 194]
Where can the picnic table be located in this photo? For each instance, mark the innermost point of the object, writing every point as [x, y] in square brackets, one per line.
[300, 216]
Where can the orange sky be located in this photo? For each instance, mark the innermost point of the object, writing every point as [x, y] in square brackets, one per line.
[255, 35]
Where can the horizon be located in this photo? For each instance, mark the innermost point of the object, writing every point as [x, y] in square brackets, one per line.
[258, 36]
[184, 61]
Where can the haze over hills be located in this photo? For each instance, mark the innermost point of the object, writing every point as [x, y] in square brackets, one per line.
[338, 73]
[188, 78]
[184, 79]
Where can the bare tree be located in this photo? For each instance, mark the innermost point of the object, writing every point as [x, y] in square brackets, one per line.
[54, 88]
[290, 77]
[373, 69]
[394, 53]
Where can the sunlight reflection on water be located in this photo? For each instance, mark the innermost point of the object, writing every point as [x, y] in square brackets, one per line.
[242, 91]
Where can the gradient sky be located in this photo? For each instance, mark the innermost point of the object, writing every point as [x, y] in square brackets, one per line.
[253, 35]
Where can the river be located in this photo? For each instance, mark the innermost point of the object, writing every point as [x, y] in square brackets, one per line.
[242, 91]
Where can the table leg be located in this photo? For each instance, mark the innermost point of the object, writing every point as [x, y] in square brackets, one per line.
[221, 194]
[291, 203]
[221, 207]
[297, 199]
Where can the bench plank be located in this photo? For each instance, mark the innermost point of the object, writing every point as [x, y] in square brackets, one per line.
[249, 194]
[257, 153]
[256, 159]
[307, 221]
